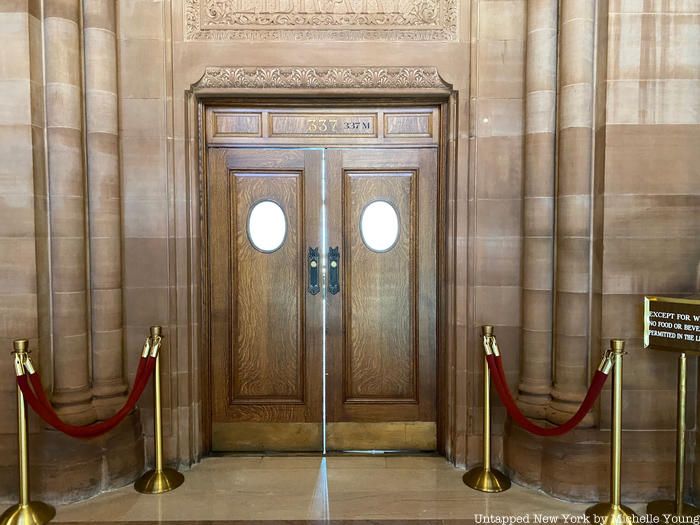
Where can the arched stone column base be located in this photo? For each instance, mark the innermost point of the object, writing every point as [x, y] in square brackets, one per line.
[576, 466]
[64, 469]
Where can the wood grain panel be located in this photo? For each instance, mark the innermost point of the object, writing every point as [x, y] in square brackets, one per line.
[408, 124]
[267, 361]
[323, 124]
[394, 435]
[265, 331]
[380, 311]
[234, 124]
[245, 436]
[382, 331]
[360, 125]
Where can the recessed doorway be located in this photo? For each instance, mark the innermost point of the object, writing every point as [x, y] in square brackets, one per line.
[322, 276]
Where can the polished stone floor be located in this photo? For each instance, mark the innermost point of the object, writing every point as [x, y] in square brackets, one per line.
[311, 489]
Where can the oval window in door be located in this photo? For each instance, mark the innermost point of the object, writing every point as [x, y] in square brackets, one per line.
[267, 226]
[379, 226]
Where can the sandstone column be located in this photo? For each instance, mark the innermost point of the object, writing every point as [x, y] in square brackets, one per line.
[64, 117]
[104, 204]
[538, 206]
[573, 205]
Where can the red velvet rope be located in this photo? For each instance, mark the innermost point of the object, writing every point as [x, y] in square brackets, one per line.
[499, 381]
[36, 397]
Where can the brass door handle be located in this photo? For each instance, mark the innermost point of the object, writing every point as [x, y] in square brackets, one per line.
[313, 263]
[333, 270]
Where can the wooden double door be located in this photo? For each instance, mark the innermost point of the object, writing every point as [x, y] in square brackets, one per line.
[322, 286]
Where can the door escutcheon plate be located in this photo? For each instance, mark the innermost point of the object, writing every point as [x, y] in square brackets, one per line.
[313, 259]
[333, 273]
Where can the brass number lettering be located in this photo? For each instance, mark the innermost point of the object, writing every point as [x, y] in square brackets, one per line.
[324, 125]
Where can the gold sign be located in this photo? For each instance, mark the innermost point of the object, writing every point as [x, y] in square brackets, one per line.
[672, 324]
[323, 125]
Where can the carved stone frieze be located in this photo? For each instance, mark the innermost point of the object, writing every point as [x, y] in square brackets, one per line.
[322, 78]
[321, 19]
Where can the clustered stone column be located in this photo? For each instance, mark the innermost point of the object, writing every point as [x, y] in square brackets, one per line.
[104, 197]
[64, 120]
[85, 208]
[538, 206]
[573, 210]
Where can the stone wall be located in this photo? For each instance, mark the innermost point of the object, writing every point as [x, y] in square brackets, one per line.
[626, 226]
[61, 255]
[494, 202]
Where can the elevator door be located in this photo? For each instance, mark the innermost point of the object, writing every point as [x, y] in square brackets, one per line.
[323, 298]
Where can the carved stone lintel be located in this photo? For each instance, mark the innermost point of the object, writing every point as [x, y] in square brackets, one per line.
[417, 20]
[322, 78]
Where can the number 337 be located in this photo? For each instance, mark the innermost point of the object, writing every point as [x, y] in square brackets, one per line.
[321, 125]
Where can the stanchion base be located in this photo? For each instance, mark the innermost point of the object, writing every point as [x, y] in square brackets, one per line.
[484, 480]
[668, 507]
[35, 513]
[608, 514]
[153, 482]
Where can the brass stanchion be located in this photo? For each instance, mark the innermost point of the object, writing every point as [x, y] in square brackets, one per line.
[160, 479]
[614, 513]
[678, 507]
[484, 478]
[26, 512]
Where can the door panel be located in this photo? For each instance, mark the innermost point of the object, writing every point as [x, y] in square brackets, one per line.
[265, 295]
[381, 354]
[381, 330]
[265, 329]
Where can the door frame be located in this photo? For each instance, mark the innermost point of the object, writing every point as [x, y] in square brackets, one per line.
[436, 92]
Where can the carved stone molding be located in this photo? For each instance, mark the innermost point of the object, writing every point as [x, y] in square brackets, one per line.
[301, 20]
[322, 78]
